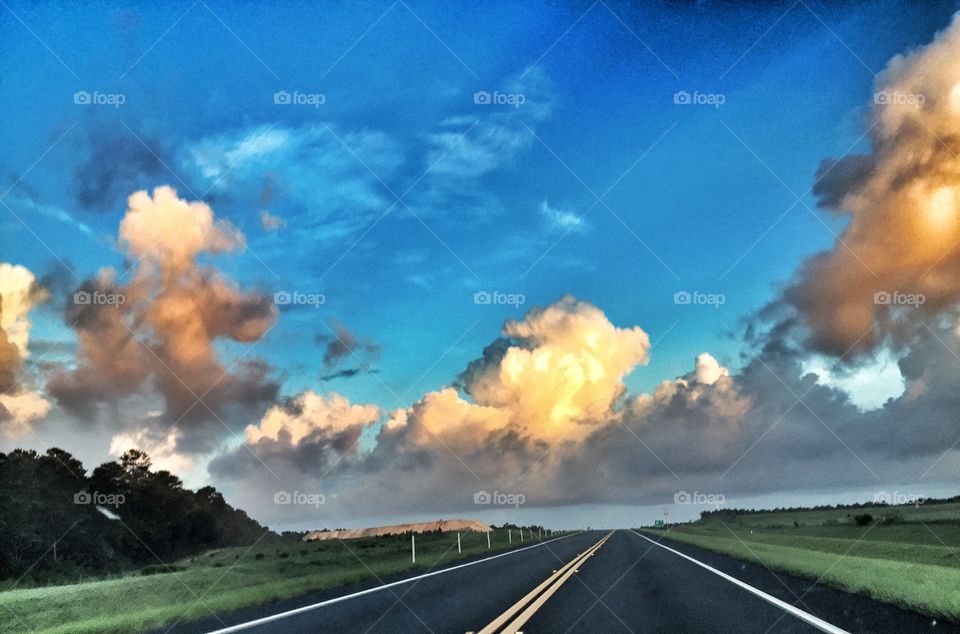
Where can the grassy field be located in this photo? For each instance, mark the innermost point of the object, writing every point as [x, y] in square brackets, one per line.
[226, 579]
[912, 559]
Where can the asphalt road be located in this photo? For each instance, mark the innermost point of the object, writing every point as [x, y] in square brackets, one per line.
[627, 584]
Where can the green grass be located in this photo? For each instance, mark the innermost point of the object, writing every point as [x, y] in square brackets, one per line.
[926, 513]
[914, 564]
[227, 579]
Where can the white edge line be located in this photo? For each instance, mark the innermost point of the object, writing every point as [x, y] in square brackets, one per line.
[314, 606]
[816, 622]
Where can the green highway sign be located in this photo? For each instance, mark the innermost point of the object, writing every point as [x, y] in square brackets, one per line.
[658, 523]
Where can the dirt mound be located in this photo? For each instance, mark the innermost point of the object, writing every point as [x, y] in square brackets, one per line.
[446, 526]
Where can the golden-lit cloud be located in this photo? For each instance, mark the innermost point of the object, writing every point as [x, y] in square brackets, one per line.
[555, 377]
[310, 413]
[170, 232]
[900, 254]
[159, 330]
[19, 293]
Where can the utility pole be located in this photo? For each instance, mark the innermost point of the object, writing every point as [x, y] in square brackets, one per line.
[666, 512]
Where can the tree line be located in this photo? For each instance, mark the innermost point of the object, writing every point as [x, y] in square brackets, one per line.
[58, 524]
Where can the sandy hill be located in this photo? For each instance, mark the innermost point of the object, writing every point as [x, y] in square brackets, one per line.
[421, 527]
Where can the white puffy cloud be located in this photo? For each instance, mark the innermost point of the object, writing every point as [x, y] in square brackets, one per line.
[170, 232]
[19, 405]
[309, 413]
[555, 376]
[19, 295]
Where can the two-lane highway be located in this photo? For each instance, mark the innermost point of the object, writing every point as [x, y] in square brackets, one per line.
[595, 581]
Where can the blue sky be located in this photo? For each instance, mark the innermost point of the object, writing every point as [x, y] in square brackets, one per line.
[599, 99]
[495, 197]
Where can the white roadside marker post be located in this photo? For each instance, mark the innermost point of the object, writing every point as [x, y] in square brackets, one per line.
[521, 534]
[488, 540]
[413, 547]
[510, 535]
[458, 544]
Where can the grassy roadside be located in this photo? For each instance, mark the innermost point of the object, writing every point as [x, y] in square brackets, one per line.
[227, 579]
[912, 565]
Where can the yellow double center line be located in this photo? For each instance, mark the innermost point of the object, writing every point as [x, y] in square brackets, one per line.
[528, 605]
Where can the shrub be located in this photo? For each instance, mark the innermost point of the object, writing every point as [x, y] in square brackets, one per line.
[862, 519]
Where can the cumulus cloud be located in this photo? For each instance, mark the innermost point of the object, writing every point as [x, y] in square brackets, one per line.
[168, 232]
[543, 412]
[300, 438]
[550, 380]
[19, 293]
[158, 331]
[903, 201]
[562, 371]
